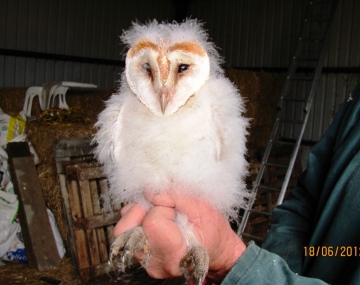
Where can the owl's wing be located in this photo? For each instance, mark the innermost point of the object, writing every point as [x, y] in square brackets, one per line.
[218, 137]
[109, 124]
[228, 124]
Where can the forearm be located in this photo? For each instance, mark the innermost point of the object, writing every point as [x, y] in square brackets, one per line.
[258, 266]
[232, 248]
[291, 227]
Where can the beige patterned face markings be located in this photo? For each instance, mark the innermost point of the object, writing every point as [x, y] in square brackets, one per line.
[162, 49]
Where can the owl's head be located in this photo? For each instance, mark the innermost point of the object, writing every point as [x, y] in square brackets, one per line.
[166, 64]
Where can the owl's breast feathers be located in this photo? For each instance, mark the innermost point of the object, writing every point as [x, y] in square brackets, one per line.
[200, 148]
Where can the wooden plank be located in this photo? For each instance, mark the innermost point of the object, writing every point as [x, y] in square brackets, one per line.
[104, 188]
[94, 172]
[39, 241]
[110, 234]
[103, 220]
[73, 147]
[63, 162]
[100, 232]
[88, 212]
[103, 184]
[70, 245]
[82, 256]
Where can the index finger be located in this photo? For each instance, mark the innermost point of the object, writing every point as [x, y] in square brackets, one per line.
[183, 203]
[132, 218]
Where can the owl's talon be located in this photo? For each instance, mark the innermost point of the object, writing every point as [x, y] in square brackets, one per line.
[124, 247]
[195, 264]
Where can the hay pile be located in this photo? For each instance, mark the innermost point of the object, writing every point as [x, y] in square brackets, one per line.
[261, 91]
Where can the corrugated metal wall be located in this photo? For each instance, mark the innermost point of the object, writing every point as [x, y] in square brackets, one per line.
[263, 34]
[250, 34]
[257, 33]
[83, 28]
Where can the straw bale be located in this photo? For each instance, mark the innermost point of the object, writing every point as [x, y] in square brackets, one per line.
[12, 100]
[261, 91]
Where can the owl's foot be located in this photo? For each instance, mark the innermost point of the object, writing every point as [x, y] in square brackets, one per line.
[195, 264]
[124, 247]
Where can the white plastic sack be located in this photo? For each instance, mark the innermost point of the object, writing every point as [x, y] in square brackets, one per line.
[4, 169]
[56, 233]
[11, 127]
[9, 205]
[16, 253]
[6, 238]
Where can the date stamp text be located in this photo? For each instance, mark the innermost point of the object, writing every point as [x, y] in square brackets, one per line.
[328, 251]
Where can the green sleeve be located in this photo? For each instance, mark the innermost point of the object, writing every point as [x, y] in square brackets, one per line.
[307, 215]
[258, 266]
[291, 228]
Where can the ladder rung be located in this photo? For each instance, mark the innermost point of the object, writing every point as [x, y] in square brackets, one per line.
[292, 121]
[303, 58]
[284, 143]
[300, 78]
[293, 99]
[256, 238]
[260, 212]
[297, 122]
[276, 164]
[272, 189]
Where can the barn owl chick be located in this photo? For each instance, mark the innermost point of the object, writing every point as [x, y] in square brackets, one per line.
[175, 123]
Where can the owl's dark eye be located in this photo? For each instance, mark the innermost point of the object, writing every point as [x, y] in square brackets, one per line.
[146, 67]
[183, 67]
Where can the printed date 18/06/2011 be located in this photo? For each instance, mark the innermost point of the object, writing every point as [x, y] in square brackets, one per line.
[343, 251]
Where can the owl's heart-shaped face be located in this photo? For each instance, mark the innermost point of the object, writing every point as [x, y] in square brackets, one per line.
[164, 76]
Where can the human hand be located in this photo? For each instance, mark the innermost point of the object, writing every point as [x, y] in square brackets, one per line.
[166, 241]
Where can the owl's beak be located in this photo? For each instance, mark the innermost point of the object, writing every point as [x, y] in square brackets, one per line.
[164, 99]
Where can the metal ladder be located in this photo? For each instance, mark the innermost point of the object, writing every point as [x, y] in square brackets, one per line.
[303, 74]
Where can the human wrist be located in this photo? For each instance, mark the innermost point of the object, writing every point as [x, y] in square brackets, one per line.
[229, 255]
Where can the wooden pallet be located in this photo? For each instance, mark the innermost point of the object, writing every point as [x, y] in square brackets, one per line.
[82, 183]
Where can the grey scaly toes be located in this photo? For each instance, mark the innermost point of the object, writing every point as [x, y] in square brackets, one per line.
[195, 264]
[124, 247]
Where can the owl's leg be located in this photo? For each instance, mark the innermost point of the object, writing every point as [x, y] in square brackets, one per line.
[195, 263]
[123, 248]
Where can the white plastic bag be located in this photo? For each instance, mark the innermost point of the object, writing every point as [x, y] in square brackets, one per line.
[16, 253]
[56, 233]
[4, 169]
[11, 127]
[9, 205]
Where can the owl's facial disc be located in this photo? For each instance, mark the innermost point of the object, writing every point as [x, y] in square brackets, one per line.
[165, 77]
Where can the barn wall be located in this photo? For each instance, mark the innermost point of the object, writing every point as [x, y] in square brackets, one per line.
[262, 34]
[82, 29]
[251, 34]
